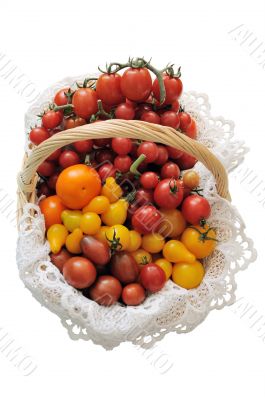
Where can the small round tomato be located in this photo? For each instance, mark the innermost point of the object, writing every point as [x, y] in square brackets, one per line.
[172, 223]
[142, 257]
[196, 209]
[107, 170]
[98, 205]
[68, 158]
[165, 265]
[83, 146]
[85, 102]
[141, 108]
[149, 180]
[109, 89]
[191, 179]
[173, 87]
[146, 219]
[135, 241]
[59, 259]
[46, 168]
[153, 242]
[152, 277]
[133, 294]
[150, 150]
[170, 170]
[61, 99]
[186, 161]
[162, 155]
[201, 241]
[150, 116]
[170, 118]
[123, 163]
[77, 185]
[90, 223]
[144, 196]
[73, 122]
[136, 84]
[121, 146]
[124, 111]
[52, 207]
[188, 275]
[185, 120]
[38, 135]
[175, 106]
[79, 272]
[103, 155]
[55, 155]
[168, 193]
[51, 119]
[191, 130]
[118, 237]
[106, 290]
[174, 153]
[104, 142]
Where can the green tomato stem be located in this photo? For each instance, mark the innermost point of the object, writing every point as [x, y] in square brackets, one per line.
[136, 164]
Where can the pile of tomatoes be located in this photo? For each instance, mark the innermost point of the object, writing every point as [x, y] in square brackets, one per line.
[123, 216]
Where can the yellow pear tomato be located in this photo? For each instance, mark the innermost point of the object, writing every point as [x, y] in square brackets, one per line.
[90, 223]
[71, 219]
[73, 241]
[188, 275]
[111, 190]
[56, 236]
[153, 242]
[98, 205]
[165, 265]
[116, 213]
[175, 251]
[201, 241]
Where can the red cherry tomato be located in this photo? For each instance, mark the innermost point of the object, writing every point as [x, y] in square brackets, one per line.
[106, 170]
[60, 99]
[170, 118]
[131, 103]
[101, 142]
[195, 209]
[146, 219]
[38, 135]
[168, 193]
[141, 109]
[109, 89]
[121, 146]
[149, 180]
[123, 163]
[52, 180]
[162, 155]
[124, 111]
[83, 146]
[73, 122]
[170, 170]
[150, 150]
[133, 294]
[106, 291]
[55, 155]
[175, 106]
[85, 102]
[144, 196]
[103, 155]
[136, 84]
[47, 168]
[186, 161]
[185, 120]
[79, 272]
[68, 158]
[152, 277]
[191, 130]
[174, 153]
[173, 87]
[150, 116]
[51, 119]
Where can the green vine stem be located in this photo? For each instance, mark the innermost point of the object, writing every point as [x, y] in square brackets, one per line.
[136, 164]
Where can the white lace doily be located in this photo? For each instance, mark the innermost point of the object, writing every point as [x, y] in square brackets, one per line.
[171, 309]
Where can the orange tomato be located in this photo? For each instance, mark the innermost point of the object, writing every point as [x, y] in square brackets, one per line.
[52, 208]
[78, 185]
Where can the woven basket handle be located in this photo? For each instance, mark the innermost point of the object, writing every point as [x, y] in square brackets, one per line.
[120, 128]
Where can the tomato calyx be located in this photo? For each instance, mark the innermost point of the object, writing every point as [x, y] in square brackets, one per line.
[173, 189]
[170, 71]
[204, 235]
[198, 191]
[101, 112]
[144, 261]
[87, 83]
[114, 243]
[135, 165]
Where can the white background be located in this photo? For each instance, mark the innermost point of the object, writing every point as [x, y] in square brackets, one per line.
[223, 357]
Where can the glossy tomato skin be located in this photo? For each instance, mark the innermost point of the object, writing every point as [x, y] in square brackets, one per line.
[83, 146]
[186, 161]
[52, 208]
[136, 84]
[124, 267]
[162, 155]
[109, 89]
[191, 130]
[38, 135]
[149, 180]
[144, 196]
[103, 155]
[174, 153]
[59, 259]
[150, 116]
[150, 150]
[121, 146]
[46, 168]
[85, 102]
[70, 123]
[123, 163]
[168, 193]
[96, 251]
[146, 219]
[79, 272]
[185, 120]
[170, 170]
[175, 106]
[101, 142]
[106, 290]
[60, 99]
[55, 155]
[51, 119]
[173, 88]
[142, 108]
[152, 277]
[195, 209]
[133, 294]
[170, 118]
[106, 170]
[124, 111]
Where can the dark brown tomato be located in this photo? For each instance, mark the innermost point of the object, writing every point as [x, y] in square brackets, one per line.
[96, 251]
[124, 267]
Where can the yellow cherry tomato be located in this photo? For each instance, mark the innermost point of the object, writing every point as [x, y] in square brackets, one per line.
[71, 219]
[142, 257]
[118, 237]
[135, 241]
[116, 213]
[165, 265]
[153, 242]
[111, 190]
[200, 241]
[90, 223]
[73, 241]
[175, 251]
[56, 236]
[98, 205]
[188, 275]
[101, 234]
[172, 223]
